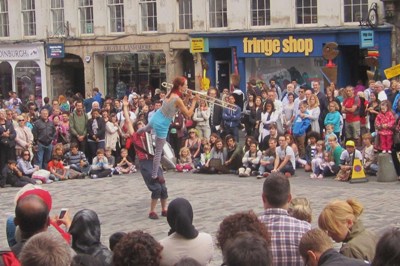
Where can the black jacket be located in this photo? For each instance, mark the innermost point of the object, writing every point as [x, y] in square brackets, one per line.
[101, 129]
[43, 132]
[10, 139]
[332, 258]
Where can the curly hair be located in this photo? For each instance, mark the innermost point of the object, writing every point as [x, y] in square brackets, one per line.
[240, 222]
[137, 248]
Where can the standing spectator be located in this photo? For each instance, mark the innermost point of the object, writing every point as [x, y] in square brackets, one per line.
[333, 118]
[351, 108]
[314, 113]
[112, 134]
[215, 111]
[385, 121]
[194, 145]
[231, 118]
[43, 135]
[300, 125]
[275, 87]
[64, 104]
[96, 130]
[202, 116]
[176, 133]
[322, 103]
[255, 117]
[249, 105]
[298, 100]
[7, 139]
[24, 137]
[285, 231]
[288, 113]
[381, 91]
[268, 116]
[77, 123]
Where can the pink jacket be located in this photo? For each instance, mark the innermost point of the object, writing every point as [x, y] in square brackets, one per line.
[385, 119]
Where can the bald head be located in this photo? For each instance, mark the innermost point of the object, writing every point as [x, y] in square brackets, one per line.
[31, 215]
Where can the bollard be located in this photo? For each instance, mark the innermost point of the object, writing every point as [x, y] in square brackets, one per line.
[386, 171]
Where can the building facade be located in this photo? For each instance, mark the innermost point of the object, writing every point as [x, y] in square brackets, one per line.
[49, 47]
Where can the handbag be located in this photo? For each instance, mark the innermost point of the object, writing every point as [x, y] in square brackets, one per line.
[214, 162]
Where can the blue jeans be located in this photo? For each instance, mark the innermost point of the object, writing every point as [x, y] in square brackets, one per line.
[44, 155]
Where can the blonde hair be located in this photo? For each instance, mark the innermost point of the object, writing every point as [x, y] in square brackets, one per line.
[183, 149]
[322, 143]
[300, 208]
[316, 101]
[339, 211]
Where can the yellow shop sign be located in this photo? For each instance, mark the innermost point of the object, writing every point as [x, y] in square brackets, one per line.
[275, 46]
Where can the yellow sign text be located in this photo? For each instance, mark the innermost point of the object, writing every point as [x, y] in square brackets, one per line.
[274, 46]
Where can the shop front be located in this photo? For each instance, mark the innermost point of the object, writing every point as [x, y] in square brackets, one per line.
[22, 69]
[296, 54]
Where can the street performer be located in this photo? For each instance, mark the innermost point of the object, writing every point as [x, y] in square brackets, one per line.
[155, 185]
[161, 120]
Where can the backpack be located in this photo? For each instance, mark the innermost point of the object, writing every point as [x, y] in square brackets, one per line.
[8, 258]
[361, 108]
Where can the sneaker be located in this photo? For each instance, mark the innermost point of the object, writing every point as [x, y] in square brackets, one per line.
[266, 174]
[320, 176]
[313, 176]
[38, 182]
[260, 176]
[254, 173]
[288, 175]
[153, 216]
[93, 176]
[383, 151]
[49, 181]
[164, 213]
[389, 151]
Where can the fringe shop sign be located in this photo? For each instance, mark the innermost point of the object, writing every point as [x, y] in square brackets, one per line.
[271, 46]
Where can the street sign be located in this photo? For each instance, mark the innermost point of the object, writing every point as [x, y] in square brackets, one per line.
[55, 50]
[392, 71]
[198, 45]
[366, 39]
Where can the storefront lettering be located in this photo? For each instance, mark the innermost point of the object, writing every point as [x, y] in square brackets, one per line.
[274, 46]
[17, 53]
[127, 47]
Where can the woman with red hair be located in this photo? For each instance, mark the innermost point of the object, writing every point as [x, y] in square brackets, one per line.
[161, 120]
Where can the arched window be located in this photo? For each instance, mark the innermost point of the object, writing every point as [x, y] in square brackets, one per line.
[28, 80]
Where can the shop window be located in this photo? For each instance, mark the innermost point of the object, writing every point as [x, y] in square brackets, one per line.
[306, 12]
[116, 11]
[28, 17]
[355, 10]
[28, 80]
[185, 14]
[5, 79]
[260, 13]
[57, 16]
[4, 23]
[140, 72]
[218, 14]
[86, 16]
[148, 9]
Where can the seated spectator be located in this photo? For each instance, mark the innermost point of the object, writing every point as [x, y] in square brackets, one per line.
[247, 249]
[251, 161]
[311, 149]
[185, 162]
[346, 161]
[286, 231]
[370, 160]
[85, 231]
[183, 239]
[240, 222]
[335, 153]
[137, 248]
[205, 155]
[285, 161]
[341, 220]
[11, 175]
[110, 159]
[216, 162]
[316, 249]
[387, 250]
[318, 163]
[300, 208]
[328, 133]
[268, 159]
[57, 170]
[76, 159]
[100, 167]
[46, 249]
[125, 164]
[234, 154]
[24, 164]
[115, 238]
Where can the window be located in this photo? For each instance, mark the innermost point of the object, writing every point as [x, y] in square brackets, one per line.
[218, 14]
[306, 11]
[57, 15]
[86, 16]
[260, 12]
[4, 24]
[185, 14]
[355, 10]
[116, 8]
[148, 10]
[29, 17]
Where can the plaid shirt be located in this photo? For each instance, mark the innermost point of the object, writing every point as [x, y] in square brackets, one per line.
[286, 233]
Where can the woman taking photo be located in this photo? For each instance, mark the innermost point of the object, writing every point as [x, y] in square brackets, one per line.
[313, 112]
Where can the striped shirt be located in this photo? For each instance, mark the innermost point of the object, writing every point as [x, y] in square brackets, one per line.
[286, 233]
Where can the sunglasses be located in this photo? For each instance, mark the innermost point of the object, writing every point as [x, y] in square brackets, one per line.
[26, 154]
[22, 120]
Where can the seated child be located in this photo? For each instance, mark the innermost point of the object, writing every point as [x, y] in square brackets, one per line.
[11, 175]
[251, 161]
[205, 156]
[346, 161]
[100, 167]
[267, 159]
[300, 208]
[370, 160]
[328, 132]
[313, 137]
[56, 168]
[316, 163]
[328, 165]
[76, 160]
[185, 163]
[125, 165]
[110, 158]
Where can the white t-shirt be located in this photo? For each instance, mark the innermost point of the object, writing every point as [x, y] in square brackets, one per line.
[285, 152]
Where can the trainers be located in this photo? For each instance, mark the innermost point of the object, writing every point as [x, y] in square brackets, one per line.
[164, 213]
[383, 151]
[254, 173]
[93, 176]
[49, 181]
[320, 176]
[266, 174]
[153, 216]
[288, 175]
[260, 176]
[389, 151]
[312, 176]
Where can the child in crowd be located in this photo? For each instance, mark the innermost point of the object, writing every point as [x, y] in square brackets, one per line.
[100, 168]
[268, 159]
[370, 160]
[76, 160]
[311, 148]
[185, 163]
[205, 156]
[125, 165]
[115, 238]
[300, 208]
[300, 126]
[328, 164]
[56, 168]
[251, 161]
[328, 132]
[11, 175]
[317, 166]
[384, 124]
[346, 161]
[110, 158]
